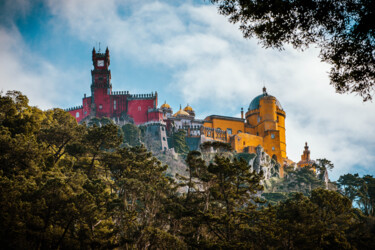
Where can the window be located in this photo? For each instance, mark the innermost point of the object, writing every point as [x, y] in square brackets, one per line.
[273, 148]
[163, 138]
[114, 104]
[100, 106]
[85, 112]
[239, 131]
[258, 118]
[139, 108]
[77, 114]
[229, 131]
[272, 136]
[244, 143]
[257, 134]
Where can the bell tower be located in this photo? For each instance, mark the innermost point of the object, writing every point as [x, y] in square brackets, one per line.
[101, 87]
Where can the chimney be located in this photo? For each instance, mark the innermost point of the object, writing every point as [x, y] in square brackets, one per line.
[241, 113]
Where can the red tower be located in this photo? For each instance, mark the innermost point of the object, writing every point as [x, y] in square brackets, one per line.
[101, 87]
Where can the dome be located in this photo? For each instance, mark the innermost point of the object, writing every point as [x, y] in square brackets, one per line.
[188, 108]
[255, 102]
[181, 112]
[165, 106]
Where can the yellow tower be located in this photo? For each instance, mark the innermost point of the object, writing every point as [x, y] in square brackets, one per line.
[266, 118]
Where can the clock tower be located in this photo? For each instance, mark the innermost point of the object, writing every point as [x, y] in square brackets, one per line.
[101, 87]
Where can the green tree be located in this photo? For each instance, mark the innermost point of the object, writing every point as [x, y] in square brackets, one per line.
[144, 192]
[344, 31]
[360, 190]
[132, 134]
[179, 142]
[44, 205]
[219, 206]
[302, 180]
[318, 222]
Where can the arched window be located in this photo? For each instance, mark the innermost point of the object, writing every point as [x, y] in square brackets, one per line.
[77, 114]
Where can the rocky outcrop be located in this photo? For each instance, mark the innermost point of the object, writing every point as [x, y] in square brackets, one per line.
[263, 162]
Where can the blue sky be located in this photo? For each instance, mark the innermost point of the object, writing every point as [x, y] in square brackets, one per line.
[188, 53]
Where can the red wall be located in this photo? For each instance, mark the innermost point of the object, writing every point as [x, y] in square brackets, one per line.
[137, 109]
[120, 104]
[101, 97]
[155, 116]
[74, 114]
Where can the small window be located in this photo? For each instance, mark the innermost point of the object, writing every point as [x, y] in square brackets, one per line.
[239, 131]
[229, 131]
[162, 128]
[273, 136]
[258, 118]
[77, 114]
[244, 143]
[139, 108]
[100, 106]
[114, 105]
[85, 112]
[273, 148]
[257, 134]
[163, 138]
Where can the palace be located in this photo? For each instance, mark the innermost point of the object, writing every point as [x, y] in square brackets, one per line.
[263, 124]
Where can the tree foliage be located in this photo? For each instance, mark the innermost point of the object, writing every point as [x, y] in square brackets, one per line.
[68, 186]
[360, 190]
[344, 31]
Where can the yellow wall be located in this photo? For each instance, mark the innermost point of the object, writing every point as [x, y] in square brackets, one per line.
[224, 124]
[242, 140]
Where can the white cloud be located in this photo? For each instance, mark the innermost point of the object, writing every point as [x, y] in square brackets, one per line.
[23, 70]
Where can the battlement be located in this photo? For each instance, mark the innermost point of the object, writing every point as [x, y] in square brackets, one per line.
[142, 96]
[74, 108]
[120, 93]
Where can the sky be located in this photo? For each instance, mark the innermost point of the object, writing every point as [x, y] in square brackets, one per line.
[189, 54]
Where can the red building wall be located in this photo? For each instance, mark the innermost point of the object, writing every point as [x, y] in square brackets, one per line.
[155, 116]
[77, 113]
[138, 108]
[102, 105]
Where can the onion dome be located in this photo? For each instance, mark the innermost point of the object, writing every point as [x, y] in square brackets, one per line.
[181, 113]
[188, 108]
[255, 102]
[165, 106]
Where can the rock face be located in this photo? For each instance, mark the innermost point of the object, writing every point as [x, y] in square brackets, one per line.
[263, 162]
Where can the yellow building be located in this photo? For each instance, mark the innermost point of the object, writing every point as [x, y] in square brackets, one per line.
[264, 125]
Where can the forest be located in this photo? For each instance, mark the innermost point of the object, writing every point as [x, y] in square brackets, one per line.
[65, 185]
